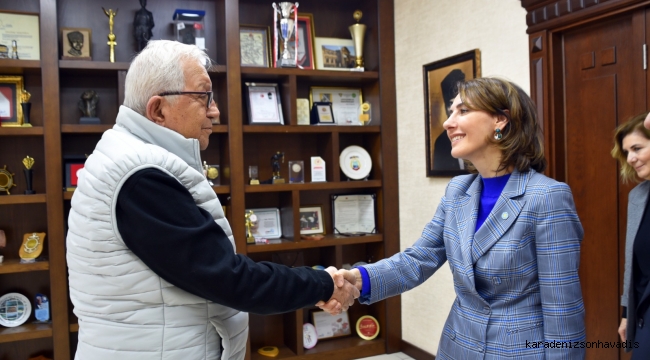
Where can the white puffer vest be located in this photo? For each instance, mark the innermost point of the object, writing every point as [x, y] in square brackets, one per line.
[125, 310]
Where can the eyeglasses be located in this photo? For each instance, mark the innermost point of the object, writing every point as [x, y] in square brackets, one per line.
[209, 94]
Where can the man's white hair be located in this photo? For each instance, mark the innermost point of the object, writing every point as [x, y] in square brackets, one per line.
[159, 68]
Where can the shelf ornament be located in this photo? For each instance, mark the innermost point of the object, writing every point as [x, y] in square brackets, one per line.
[32, 247]
[111, 37]
[28, 162]
[6, 180]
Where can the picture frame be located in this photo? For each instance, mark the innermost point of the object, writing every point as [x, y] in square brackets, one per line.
[346, 102]
[354, 214]
[312, 220]
[268, 225]
[306, 35]
[263, 104]
[322, 114]
[76, 43]
[24, 27]
[440, 79]
[71, 166]
[331, 326]
[334, 54]
[11, 113]
[254, 43]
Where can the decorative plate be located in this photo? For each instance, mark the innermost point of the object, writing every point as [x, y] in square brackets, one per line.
[355, 162]
[309, 336]
[15, 309]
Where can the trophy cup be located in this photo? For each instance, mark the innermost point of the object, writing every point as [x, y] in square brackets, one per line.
[29, 163]
[287, 29]
[251, 218]
[111, 37]
[26, 105]
[358, 31]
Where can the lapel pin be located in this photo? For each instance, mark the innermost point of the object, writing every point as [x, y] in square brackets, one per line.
[504, 216]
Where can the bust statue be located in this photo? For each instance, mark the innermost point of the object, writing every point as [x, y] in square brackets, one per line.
[142, 25]
[88, 103]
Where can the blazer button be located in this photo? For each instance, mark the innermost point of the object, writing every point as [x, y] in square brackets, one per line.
[486, 309]
[504, 215]
[640, 322]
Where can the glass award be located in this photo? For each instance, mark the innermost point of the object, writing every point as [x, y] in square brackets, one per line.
[296, 172]
[253, 174]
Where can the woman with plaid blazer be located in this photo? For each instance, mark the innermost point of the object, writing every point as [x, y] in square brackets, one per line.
[511, 237]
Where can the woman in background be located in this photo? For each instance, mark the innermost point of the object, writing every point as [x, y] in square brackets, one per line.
[632, 150]
[510, 234]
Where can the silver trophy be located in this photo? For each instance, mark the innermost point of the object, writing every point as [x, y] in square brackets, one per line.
[287, 26]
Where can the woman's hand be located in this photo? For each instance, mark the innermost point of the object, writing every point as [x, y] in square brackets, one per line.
[622, 329]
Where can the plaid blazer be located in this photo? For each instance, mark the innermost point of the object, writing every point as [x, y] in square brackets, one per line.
[516, 279]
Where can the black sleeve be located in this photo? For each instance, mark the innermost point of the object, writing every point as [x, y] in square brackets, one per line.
[624, 312]
[179, 241]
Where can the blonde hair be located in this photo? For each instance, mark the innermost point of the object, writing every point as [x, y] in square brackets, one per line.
[159, 68]
[635, 124]
[522, 143]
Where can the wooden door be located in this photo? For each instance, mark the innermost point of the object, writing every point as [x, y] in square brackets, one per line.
[604, 86]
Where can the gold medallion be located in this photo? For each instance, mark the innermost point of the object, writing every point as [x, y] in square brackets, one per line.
[6, 180]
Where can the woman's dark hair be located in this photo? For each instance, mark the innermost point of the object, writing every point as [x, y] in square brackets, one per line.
[522, 144]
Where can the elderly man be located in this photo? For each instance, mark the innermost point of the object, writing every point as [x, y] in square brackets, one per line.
[152, 266]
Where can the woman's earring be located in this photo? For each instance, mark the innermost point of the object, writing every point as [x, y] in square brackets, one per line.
[497, 134]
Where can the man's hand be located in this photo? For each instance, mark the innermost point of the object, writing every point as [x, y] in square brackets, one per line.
[347, 286]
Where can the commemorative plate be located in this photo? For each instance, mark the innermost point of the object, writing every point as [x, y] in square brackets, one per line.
[355, 162]
[15, 309]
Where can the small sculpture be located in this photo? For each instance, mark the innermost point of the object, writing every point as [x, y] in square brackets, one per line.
[142, 25]
[251, 221]
[76, 40]
[111, 37]
[275, 163]
[88, 106]
[14, 49]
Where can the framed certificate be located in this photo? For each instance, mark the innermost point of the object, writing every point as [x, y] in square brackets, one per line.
[264, 105]
[331, 326]
[346, 103]
[11, 113]
[268, 224]
[24, 29]
[254, 43]
[354, 214]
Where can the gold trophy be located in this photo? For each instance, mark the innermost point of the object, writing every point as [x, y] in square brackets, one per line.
[111, 37]
[251, 219]
[28, 162]
[26, 105]
[358, 31]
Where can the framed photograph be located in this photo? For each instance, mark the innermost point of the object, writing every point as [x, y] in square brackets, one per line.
[331, 326]
[264, 106]
[254, 43]
[354, 215]
[268, 224]
[71, 167]
[305, 41]
[334, 54]
[76, 43]
[311, 220]
[346, 103]
[440, 79]
[24, 28]
[11, 113]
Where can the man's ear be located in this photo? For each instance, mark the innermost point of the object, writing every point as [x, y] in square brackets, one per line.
[155, 110]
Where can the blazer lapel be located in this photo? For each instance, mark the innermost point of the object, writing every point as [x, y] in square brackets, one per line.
[636, 209]
[466, 210]
[502, 216]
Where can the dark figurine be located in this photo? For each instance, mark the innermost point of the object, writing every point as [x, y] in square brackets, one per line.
[275, 164]
[88, 103]
[142, 25]
[76, 40]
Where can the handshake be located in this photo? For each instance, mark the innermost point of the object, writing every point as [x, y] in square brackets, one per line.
[347, 287]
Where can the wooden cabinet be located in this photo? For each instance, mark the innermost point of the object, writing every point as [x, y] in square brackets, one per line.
[56, 85]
